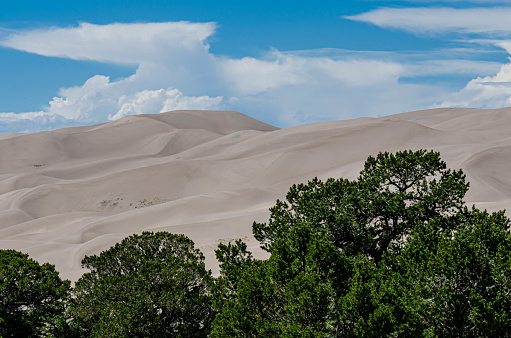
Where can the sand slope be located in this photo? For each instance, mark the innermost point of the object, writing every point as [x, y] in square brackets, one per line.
[209, 174]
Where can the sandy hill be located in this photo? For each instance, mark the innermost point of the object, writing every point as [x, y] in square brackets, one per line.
[209, 174]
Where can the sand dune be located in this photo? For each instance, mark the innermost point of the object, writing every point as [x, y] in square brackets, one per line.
[209, 174]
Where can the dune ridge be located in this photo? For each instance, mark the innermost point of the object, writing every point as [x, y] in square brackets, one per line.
[73, 192]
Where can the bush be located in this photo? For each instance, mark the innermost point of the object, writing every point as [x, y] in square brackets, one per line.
[154, 284]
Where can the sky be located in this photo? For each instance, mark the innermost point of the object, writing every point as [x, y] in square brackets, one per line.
[70, 63]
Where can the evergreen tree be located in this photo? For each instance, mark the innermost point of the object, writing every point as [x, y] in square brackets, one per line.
[392, 253]
[149, 285]
[32, 297]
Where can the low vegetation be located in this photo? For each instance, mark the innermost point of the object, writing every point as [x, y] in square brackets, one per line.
[395, 252]
[155, 201]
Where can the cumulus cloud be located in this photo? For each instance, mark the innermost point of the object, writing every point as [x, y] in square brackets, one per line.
[170, 57]
[98, 98]
[431, 20]
[484, 92]
[163, 100]
[33, 122]
[176, 70]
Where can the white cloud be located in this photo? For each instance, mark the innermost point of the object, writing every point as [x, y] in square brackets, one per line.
[33, 122]
[276, 70]
[505, 44]
[484, 92]
[99, 100]
[176, 70]
[251, 76]
[359, 72]
[117, 42]
[435, 20]
[84, 103]
[491, 23]
[323, 88]
[169, 56]
[452, 67]
[163, 100]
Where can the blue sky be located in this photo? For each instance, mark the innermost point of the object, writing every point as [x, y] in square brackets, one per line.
[284, 62]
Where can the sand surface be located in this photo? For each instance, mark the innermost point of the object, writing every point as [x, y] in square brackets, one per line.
[209, 174]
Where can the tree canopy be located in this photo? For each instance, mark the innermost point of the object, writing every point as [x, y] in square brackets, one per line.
[32, 296]
[154, 284]
[376, 212]
[393, 253]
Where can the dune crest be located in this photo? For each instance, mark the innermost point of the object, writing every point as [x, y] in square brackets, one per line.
[73, 192]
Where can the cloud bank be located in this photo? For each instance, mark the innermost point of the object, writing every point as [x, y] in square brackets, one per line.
[176, 70]
[167, 56]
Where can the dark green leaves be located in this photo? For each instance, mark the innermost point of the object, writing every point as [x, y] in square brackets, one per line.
[154, 284]
[374, 214]
[32, 297]
[393, 253]
[464, 275]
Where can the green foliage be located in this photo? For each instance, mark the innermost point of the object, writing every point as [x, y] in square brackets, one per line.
[32, 297]
[154, 284]
[288, 295]
[464, 275]
[393, 253]
[234, 259]
[375, 213]
[379, 302]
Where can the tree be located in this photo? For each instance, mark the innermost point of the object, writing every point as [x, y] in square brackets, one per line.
[393, 253]
[154, 284]
[464, 275]
[376, 212]
[288, 295]
[32, 297]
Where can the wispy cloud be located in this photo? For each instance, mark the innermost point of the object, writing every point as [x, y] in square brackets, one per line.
[491, 24]
[426, 20]
[111, 43]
